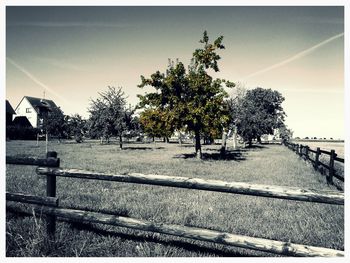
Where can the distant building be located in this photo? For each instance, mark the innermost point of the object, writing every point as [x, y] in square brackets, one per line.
[35, 109]
[9, 113]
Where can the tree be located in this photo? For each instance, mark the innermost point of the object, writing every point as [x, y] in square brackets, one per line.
[76, 127]
[257, 112]
[285, 134]
[132, 123]
[54, 123]
[107, 115]
[189, 100]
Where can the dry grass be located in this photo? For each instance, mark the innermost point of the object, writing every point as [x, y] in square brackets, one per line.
[298, 222]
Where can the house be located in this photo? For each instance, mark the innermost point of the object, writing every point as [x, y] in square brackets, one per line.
[9, 113]
[35, 109]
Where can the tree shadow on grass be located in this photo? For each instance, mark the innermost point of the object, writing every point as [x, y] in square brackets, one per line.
[185, 145]
[236, 155]
[142, 148]
[256, 146]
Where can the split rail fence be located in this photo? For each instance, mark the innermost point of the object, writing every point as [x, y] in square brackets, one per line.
[49, 205]
[304, 152]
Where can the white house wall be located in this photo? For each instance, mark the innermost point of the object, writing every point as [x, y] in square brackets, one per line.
[21, 110]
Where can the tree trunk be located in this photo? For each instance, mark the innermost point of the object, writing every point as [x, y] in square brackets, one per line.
[259, 139]
[198, 145]
[180, 138]
[120, 142]
[250, 142]
[235, 138]
[101, 140]
[223, 143]
[46, 140]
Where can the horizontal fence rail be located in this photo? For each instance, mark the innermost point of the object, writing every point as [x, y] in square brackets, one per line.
[48, 162]
[32, 199]
[291, 193]
[339, 159]
[261, 244]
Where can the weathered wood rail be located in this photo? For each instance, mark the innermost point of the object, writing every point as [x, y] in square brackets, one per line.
[32, 199]
[261, 244]
[291, 193]
[304, 152]
[49, 206]
[47, 162]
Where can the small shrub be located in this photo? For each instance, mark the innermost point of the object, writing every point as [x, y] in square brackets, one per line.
[21, 133]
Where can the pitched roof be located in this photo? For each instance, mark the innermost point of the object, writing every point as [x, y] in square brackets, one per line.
[21, 121]
[9, 108]
[41, 103]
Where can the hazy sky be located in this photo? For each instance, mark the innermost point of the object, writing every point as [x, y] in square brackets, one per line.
[75, 52]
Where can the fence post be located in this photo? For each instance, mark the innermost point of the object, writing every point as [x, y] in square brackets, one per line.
[301, 150]
[317, 157]
[51, 191]
[331, 167]
[307, 152]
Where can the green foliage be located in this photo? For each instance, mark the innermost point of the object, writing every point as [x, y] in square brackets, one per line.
[76, 127]
[286, 134]
[132, 123]
[257, 112]
[154, 123]
[110, 117]
[54, 123]
[188, 100]
[107, 114]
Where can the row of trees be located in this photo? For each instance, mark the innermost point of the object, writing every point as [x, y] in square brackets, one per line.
[109, 117]
[63, 126]
[184, 99]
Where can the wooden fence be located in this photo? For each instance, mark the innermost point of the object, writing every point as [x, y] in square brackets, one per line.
[49, 205]
[304, 152]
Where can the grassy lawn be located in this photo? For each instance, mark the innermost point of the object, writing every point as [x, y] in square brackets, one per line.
[297, 222]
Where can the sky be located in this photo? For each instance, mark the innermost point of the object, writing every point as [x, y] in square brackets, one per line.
[73, 53]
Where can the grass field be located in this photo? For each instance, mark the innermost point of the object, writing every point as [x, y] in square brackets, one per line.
[297, 222]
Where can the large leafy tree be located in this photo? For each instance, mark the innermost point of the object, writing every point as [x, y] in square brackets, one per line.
[258, 112]
[107, 115]
[192, 99]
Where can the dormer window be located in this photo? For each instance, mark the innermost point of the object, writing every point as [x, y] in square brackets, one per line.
[44, 103]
